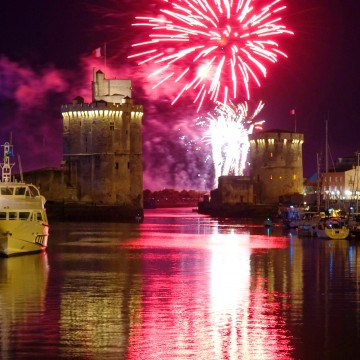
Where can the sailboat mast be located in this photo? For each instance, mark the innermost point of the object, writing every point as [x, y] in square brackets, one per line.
[326, 167]
[357, 183]
[318, 190]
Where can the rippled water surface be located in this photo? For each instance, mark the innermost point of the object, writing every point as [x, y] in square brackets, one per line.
[181, 286]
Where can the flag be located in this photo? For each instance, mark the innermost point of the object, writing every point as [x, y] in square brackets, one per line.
[292, 112]
[96, 53]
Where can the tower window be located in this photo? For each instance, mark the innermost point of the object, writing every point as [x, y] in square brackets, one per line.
[116, 165]
[112, 127]
[128, 165]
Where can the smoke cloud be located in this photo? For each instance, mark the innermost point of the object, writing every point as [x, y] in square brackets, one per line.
[30, 114]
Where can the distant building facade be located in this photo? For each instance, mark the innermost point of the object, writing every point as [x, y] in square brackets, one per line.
[341, 185]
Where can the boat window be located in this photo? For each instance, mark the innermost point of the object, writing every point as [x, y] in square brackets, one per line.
[33, 191]
[2, 215]
[39, 216]
[20, 190]
[7, 190]
[24, 215]
[12, 215]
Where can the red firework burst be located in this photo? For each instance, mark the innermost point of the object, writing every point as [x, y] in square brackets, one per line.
[212, 45]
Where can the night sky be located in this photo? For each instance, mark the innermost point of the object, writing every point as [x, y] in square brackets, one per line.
[45, 61]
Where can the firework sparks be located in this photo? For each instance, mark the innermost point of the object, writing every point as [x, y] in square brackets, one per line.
[228, 132]
[210, 46]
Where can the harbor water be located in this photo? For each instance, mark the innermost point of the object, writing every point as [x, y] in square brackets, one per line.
[181, 286]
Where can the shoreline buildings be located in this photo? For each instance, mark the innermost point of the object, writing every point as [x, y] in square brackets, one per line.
[101, 175]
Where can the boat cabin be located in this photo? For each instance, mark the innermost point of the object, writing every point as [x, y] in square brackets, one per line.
[22, 215]
[19, 190]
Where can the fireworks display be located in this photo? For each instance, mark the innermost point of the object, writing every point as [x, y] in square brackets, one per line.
[214, 47]
[228, 132]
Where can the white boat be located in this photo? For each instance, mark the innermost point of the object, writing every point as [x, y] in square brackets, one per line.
[307, 224]
[306, 229]
[24, 226]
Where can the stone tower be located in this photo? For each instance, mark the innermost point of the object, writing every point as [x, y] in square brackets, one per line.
[102, 147]
[276, 163]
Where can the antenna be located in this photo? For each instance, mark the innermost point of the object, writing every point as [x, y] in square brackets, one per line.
[6, 166]
[20, 169]
[326, 167]
[105, 57]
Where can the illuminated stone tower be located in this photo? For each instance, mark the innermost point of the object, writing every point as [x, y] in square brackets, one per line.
[102, 144]
[276, 163]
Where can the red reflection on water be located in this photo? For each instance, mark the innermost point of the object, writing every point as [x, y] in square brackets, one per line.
[154, 238]
[198, 298]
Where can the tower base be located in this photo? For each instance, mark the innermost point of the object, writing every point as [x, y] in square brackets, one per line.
[79, 211]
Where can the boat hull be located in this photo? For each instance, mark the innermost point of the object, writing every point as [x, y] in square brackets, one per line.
[19, 238]
[306, 230]
[333, 234]
[338, 234]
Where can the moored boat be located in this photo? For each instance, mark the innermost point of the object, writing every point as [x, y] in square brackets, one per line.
[354, 225]
[307, 224]
[306, 229]
[268, 223]
[291, 216]
[332, 228]
[24, 226]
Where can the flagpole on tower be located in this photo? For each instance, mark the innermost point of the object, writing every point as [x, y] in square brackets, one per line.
[293, 113]
[99, 53]
[105, 56]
